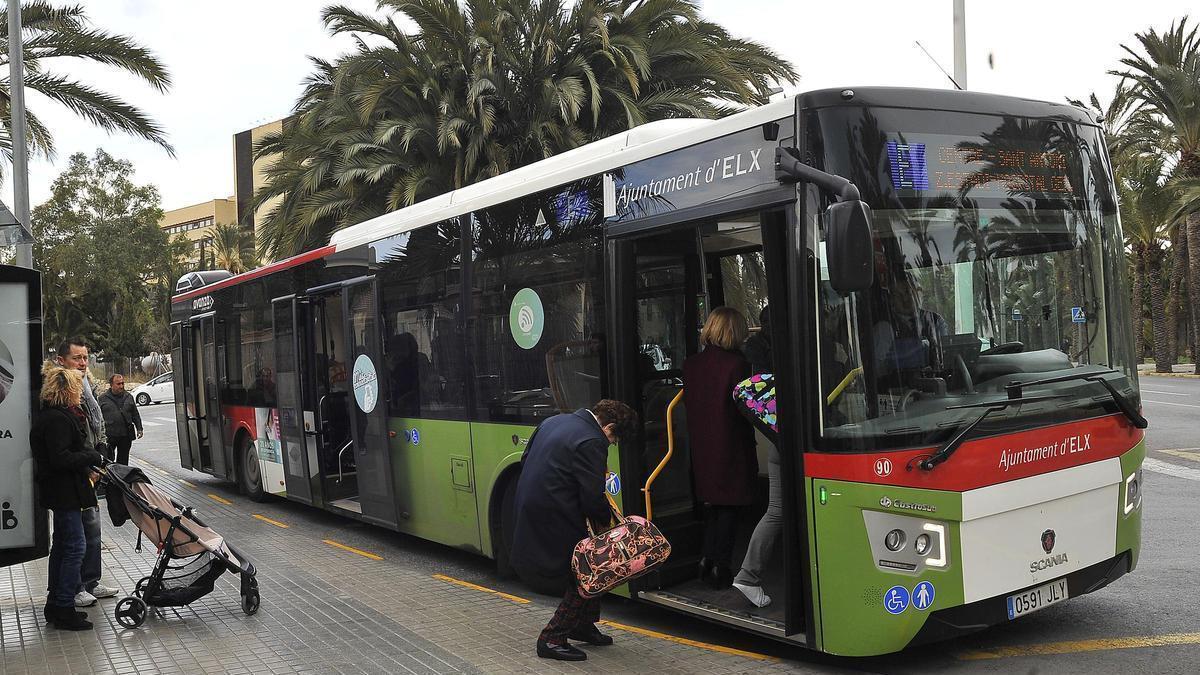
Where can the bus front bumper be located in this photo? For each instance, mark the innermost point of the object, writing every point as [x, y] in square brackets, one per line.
[963, 619]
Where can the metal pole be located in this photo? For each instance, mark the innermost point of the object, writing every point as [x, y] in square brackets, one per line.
[960, 43]
[17, 128]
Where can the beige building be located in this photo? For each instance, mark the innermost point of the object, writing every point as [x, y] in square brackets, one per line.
[195, 222]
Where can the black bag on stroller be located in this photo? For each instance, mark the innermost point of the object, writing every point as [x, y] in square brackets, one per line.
[191, 556]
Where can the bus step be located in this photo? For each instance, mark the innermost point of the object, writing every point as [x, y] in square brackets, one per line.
[712, 612]
[347, 505]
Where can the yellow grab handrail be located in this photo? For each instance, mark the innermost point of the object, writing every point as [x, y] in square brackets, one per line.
[837, 391]
[670, 450]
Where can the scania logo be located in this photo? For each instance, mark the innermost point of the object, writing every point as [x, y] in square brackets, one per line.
[1048, 541]
[1045, 563]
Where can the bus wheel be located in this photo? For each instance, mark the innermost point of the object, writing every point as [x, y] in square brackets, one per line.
[504, 533]
[250, 473]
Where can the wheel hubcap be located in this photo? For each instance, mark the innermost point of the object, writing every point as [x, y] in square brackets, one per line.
[251, 467]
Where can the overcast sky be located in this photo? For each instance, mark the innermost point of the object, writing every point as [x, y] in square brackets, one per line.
[236, 65]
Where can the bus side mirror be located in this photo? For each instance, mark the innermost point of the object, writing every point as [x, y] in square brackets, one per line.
[848, 246]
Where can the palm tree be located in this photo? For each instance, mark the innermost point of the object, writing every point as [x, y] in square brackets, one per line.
[1148, 204]
[486, 86]
[1167, 80]
[233, 248]
[53, 35]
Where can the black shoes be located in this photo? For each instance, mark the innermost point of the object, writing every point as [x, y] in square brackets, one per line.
[715, 575]
[66, 618]
[548, 650]
[591, 635]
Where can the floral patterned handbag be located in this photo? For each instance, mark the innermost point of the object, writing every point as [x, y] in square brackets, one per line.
[631, 548]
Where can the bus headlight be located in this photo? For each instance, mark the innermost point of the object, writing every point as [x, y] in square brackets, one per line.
[1133, 491]
[921, 545]
[894, 540]
[937, 532]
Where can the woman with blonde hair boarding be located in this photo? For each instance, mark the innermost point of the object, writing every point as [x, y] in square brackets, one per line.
[724, 462]
[66, 482]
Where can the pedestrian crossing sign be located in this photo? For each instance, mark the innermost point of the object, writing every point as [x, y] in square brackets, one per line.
[1078, 315]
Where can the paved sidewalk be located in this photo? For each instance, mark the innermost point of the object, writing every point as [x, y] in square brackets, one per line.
[1178, 370]
[324, 610]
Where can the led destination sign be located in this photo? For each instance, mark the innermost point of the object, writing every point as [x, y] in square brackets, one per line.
[928, 162]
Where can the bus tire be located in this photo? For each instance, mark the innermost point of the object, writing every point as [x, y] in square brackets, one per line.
[506, 521]
[249, 473]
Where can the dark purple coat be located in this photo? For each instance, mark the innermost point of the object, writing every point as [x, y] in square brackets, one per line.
[724, 462]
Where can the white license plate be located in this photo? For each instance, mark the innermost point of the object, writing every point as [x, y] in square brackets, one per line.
[1036, 598]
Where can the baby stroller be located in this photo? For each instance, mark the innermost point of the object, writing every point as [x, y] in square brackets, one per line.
[191, 556]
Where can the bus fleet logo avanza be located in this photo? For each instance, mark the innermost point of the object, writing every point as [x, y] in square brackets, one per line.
[202, 303]
[1061, 448]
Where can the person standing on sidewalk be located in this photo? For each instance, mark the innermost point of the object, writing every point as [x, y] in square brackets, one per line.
[561, 485]
[121, 418]
[66, 483]
[73, 353]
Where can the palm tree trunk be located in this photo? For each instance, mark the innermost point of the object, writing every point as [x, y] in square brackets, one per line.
[1158, 315]
[1176, 305]
[1139, 281]
[1193, 244]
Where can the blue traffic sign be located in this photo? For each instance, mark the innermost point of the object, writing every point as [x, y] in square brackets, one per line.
[895, 601]
[1078, 315]
[922, 595]
[1016, 315]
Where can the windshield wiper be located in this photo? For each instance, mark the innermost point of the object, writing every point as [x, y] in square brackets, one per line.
[1123, 404]
[943, 453]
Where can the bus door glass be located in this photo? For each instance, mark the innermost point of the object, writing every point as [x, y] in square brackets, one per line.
[368, 414]
[212, 447]
[197, 400]
[184, 391]
[295, 425]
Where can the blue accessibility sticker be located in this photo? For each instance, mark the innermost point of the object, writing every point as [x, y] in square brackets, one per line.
[413, 436]
[612, 483]
[895, 601]
[922, 595]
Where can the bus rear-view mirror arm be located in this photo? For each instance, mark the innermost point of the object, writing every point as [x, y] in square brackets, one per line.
[848, 248]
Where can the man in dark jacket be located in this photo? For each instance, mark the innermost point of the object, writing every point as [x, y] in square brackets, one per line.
[561, 485]
[121, 418]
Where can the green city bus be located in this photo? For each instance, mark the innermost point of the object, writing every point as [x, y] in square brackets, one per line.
[959, 432]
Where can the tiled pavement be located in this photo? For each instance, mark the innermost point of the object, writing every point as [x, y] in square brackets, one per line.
[324, 610]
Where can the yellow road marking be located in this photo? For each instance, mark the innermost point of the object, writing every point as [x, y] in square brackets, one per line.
[691, 643]
[467, 584]
[219, 499]
[186, 483]
[1185, 453]
[1077, 646]
[265, 519]
[351, 549]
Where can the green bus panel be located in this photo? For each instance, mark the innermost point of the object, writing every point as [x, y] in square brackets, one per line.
[497, 450]
[435, 487]
[851, 589]
[1129, 525]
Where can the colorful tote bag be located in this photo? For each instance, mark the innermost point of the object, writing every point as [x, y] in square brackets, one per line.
[631, 548]
[755, 396]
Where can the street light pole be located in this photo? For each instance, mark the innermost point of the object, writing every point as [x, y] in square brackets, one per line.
[18, 130]
[960, 43]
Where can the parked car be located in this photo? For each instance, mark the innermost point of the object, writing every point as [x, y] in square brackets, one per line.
[157, 390]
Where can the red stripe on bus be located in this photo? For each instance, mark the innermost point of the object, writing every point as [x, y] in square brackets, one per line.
[307, 256]
[987, 461]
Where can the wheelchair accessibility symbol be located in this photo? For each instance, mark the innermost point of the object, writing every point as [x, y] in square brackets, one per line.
[895, 601]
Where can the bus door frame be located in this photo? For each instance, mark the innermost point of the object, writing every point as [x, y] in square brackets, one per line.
[297, 424]
[207, 417]
[372, 451]
[181, 355]
[777, 206]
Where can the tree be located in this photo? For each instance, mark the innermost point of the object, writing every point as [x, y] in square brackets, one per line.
[1166, 78]
[1147, 207]
[233, 248]
[52, 35]
[487, 86]
[103, 256]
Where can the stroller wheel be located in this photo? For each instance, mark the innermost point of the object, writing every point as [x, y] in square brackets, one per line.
[141, 586]
[130, 612]
[250, 601]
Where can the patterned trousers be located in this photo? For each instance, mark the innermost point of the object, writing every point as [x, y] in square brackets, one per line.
[574, 611]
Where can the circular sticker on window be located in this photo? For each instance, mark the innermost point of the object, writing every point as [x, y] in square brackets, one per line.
[526, 318]
[365, 383]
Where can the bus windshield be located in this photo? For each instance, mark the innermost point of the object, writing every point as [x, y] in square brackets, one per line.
[997, 260]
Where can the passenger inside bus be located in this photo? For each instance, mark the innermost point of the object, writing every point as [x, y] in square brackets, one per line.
[405, 368]
[907, 337]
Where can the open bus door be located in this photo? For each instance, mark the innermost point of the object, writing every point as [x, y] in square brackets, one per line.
[297, 428]
[202, 397]
[344, 395]
[181, 336]
[664, 284]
